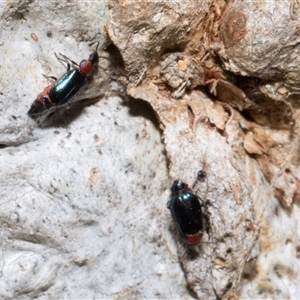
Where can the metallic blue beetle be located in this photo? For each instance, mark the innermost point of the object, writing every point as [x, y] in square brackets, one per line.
[60, 92]
[186, 211]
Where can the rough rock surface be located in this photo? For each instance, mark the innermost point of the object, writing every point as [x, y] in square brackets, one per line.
[84, 192]
[224, 87]
[83, 199]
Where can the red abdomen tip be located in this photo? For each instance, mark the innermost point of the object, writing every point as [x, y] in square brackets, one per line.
[193, 239]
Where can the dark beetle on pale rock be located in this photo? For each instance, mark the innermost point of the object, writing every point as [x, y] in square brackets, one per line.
[186, 211]
[60, 92]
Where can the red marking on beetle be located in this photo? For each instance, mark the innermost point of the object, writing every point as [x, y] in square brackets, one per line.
[194, 239]
[41, 97]
[86, 67]
[60, 92]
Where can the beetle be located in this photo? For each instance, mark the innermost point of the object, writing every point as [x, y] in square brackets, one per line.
[60, 92]
[186, 211]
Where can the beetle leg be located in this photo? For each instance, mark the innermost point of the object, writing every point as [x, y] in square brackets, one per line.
[202, 203]
[169, 204]
[65, 60]
[50, 78]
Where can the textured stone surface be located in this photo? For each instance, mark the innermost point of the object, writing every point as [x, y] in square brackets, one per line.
[241, 125]
[262, 40]
[83, 210]
[83, 197]
[83, 201]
